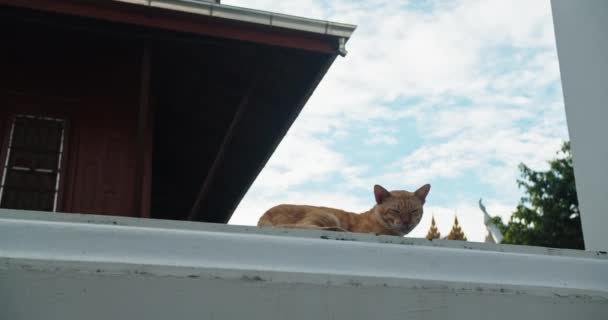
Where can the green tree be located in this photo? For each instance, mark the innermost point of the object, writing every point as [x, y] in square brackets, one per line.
[548, 215]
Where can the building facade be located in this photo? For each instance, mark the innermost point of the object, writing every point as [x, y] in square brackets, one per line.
[164, 109]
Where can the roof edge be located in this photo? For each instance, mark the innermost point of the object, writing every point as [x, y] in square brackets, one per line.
[266, 18]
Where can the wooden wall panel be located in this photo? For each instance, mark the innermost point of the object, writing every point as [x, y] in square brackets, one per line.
[93, 82]
[104, 179]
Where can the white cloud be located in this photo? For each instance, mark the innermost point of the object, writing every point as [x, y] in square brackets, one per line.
[486, 140]
[381, 139]
[498, 55]
[300, 159]
[381, 135]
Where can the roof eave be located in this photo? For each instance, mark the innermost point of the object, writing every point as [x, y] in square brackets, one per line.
[265, 18]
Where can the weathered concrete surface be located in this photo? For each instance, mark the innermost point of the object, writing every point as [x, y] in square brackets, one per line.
[87, 267]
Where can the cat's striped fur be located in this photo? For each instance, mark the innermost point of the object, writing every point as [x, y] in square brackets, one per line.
[395, 213]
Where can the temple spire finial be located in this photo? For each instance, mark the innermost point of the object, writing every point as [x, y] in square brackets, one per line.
[433, 231]
[456, 233]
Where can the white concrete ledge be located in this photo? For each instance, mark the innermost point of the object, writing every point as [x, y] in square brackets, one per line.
[94, 252]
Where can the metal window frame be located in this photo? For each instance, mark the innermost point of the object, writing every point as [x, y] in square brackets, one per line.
[60, 166]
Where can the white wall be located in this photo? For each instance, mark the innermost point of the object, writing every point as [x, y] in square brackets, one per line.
[581, 29]
[70, 267]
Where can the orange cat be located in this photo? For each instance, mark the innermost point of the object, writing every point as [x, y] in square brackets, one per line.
[396, 213]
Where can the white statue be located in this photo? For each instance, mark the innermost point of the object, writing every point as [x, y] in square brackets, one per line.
[494, 235]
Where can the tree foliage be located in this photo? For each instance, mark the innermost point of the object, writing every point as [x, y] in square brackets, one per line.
[548, 215]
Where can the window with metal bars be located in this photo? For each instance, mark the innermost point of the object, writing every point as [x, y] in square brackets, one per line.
[32, 169]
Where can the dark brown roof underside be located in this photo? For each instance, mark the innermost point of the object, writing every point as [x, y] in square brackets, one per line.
[221, 106]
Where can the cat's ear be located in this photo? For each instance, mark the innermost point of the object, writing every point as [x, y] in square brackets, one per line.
[380, 193]
[422, 192]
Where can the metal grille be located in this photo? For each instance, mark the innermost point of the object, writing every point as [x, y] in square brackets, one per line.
[31, 173]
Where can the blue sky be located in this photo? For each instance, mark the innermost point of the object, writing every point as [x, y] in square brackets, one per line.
[451, 93]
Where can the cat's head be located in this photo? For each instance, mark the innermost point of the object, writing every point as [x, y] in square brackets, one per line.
[400, 211]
